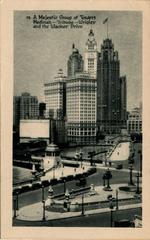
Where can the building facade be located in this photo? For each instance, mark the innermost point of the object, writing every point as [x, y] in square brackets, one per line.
[42, 109]
[29, 108]
[16, 111]
[91, 56]
[134, 122]
[55, 97]
[75, 62]
[123, 101]
[81, 109]
[111, 91]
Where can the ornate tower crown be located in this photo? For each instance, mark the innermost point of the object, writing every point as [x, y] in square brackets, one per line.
[91, 43]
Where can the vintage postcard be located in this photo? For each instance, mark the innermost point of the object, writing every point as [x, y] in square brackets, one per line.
[74, 126]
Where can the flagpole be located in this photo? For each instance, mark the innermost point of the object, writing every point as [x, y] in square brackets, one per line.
[107, 28]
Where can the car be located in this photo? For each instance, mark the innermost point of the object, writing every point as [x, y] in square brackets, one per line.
[119, 166]
[81, 182]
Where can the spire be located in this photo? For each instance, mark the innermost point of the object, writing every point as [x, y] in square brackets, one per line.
[73, 46]
[91, 32]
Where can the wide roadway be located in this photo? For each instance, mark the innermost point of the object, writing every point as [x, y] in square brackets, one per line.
[96, 220]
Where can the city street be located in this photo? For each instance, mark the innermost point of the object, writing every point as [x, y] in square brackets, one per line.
[97, 220]
[118, 176]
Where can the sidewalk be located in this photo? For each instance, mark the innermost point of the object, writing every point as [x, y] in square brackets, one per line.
[34, 212]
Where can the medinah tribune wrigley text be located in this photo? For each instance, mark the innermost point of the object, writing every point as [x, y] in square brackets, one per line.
[62, 21]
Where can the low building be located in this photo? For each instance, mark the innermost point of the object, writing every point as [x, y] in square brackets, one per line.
[55, 97]
[134, 122]
[50, 130]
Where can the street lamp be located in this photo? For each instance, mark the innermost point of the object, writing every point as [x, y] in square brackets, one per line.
[110, 198]
[140, 162]
[64, 186]
[82, 212]
[81, 159]
[91, 155]
[17, 203]
[117, 206]
[15, 207]
[131, 180]
[108, 176]
[67, 202]
[104, 178]
[43, 210]
[138, 188]
[43, 201]
[43, 197]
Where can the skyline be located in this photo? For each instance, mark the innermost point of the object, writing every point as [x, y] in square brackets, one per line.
[39, 53]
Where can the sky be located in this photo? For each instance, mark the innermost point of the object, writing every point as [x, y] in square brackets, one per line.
[40, 52]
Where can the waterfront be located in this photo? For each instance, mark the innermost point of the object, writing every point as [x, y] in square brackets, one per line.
[21, 174]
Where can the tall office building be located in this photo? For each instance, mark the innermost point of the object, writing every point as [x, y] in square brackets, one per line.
[123, 100]
[81, 109]
[29, 108]
[75, 62]
[111, 91]
[91, 56]
[55, 96]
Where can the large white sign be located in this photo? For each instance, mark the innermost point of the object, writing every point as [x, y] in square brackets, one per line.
[34, 128]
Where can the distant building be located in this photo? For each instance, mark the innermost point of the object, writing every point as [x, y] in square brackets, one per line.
[16, 111]
[91, 56]
[75, 62]
[134, 122]
[55, 97]
[42, 109]
[50, 130]
[111, 91]
[24, 107]
[29, 108]
[81, 109]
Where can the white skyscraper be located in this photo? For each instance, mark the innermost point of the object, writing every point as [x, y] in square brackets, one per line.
[55, 96]
[91, 56]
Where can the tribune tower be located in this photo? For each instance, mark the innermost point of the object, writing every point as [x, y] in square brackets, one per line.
[110, 91]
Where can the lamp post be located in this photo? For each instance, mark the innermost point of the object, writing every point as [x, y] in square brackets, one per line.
[17, 202]
[117, 206]
[81, 159]
[140, 162]
[91, 155]
[43, 197]
[43, 210]
[64, 186]
[131, 180]
[82, 212]
[104, 178]
[138, 189]
[43, 201]
[15, 210]
[67, 202]
[108, 176]
[110, 198]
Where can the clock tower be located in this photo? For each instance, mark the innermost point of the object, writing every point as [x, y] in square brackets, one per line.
[91, 56]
